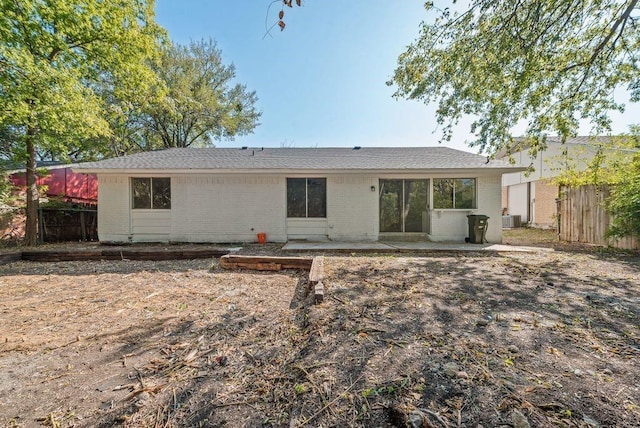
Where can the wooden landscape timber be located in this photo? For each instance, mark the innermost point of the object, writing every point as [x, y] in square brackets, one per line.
[316, 276]
[233, 261]
[117, 254]
[10, 258]
[314, 265]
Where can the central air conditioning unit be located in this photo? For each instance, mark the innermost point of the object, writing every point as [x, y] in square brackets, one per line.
[511, 221]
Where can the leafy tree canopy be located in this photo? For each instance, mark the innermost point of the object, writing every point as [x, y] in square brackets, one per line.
[547, 62]
[624, 202]
[57, 58]
[202, 103]
[603, 161]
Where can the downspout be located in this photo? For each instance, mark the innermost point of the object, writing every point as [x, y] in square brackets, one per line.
[529, 219]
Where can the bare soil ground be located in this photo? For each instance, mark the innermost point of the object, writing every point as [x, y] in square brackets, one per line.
[442, 340]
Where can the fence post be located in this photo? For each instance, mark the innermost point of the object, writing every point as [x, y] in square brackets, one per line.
[40, 226]
[83, 227]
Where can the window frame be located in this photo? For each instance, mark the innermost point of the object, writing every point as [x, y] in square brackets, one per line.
[454, 191]
[151, 199]
[323, 205]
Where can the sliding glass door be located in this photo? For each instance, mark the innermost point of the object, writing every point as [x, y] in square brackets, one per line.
[404, 206]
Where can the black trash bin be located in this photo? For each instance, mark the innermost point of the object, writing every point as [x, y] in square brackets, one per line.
[477, 228]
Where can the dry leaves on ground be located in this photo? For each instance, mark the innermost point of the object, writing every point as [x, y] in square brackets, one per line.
[445, 340]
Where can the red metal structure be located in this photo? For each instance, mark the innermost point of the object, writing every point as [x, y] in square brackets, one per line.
[62, 182]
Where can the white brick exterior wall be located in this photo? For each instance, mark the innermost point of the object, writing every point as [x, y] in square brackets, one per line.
[234, 208]
[113, 208]
[228, 208]
[453, 225]
[352, 208]
[490, 203]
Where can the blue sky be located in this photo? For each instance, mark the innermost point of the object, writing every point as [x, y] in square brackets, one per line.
[321, 82]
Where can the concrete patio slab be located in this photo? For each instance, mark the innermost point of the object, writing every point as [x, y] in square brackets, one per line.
[441, 246]
[337, 246]
[397, 246]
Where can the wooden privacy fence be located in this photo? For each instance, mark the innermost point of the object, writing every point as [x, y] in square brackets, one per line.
[58, 225]
[582, 217]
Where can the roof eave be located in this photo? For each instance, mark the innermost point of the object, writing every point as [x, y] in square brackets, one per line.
[160, 171]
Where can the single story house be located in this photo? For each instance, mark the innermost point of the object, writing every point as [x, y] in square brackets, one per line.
[344, 194]
[532, 196]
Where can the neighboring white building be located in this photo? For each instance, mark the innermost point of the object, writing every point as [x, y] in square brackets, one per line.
[358, 194]
[532, 196]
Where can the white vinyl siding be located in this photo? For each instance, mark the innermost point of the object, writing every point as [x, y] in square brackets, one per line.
[151, 225]
[307, 228]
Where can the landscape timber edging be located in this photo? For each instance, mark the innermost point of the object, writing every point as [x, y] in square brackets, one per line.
[10, 258]
[316, 276]
[314, 265]
[234, 261]
[110, 254]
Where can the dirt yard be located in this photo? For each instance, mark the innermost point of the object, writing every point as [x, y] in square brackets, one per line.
[442, 340]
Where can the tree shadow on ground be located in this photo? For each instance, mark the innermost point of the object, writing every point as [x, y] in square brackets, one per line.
[464, 340]
[79, 268]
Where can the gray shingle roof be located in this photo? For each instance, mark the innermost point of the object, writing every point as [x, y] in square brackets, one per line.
[365, 158]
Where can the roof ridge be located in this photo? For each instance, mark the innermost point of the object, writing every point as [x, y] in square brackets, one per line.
[301, 159]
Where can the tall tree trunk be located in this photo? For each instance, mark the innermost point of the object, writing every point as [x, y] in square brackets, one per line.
[31, 227]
